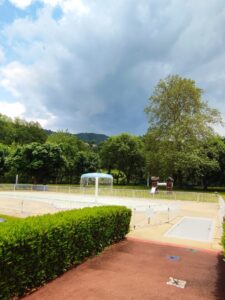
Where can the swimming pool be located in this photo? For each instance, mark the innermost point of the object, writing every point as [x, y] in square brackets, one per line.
[192, 228]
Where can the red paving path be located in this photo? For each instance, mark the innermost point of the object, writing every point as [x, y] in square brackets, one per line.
[135, 269]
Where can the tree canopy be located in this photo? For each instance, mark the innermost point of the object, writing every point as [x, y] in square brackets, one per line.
[125, 153]
[180, 142]
[180, 124]
[20, 132]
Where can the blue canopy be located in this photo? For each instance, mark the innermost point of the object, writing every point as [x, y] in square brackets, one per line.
[96, 175]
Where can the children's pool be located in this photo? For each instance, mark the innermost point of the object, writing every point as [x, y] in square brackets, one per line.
[191, 228]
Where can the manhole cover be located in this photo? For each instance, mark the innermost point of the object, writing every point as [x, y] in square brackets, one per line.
[173, 257]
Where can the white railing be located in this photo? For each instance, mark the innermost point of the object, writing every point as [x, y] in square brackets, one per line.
[115, 192]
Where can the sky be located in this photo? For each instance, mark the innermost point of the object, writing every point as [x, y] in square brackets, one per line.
[91, 65]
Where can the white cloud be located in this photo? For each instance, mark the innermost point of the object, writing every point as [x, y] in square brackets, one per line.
[23, 83]
[96, 67]
[219, 130]
[66, 5]
[22, 4]
[2, 55]
[15, 109]
[69, 5]
[14, 77]
[47, 122]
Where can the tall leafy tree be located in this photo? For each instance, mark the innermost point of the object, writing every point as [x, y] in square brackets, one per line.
[6, 130]
[180, 123]
[71, 146]
[85, 162]
[20, 132]
[125, 153]
[37, 163]
[4, 151]
[28, 132]
[212, 165]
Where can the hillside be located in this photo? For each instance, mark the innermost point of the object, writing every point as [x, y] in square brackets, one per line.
[91, 138]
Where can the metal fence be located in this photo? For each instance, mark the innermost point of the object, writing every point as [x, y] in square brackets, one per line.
[115, 192]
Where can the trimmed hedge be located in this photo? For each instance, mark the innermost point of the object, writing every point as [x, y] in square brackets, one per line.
[37, 249]
[223, 239]
[8, 218]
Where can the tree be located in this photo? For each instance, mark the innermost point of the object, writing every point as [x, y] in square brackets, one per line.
[212, 166]
[71, 147]
[20, 131]
[180, 124]
[124, 153]
[37, 163]
[6, 130]
[28, 132]
[67, 139]
[85, 162]
[4, 151]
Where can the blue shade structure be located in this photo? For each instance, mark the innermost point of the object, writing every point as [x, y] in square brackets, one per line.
[95, 175]
[96, 178]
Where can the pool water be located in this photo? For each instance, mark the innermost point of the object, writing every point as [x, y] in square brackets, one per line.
[198, 229]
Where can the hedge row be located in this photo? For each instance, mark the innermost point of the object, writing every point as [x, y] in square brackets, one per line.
[37, 249]
[223, 239]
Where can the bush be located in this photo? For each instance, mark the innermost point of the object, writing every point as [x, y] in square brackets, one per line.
[223, 239]
[8, 218]
[37, 249]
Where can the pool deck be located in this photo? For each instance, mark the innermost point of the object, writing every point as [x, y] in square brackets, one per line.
[155, 231]
[23, 204]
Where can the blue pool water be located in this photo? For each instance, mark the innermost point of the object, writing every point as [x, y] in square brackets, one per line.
[197, 229]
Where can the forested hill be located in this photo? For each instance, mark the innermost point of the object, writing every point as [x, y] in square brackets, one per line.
[91, 138]
[18, 131]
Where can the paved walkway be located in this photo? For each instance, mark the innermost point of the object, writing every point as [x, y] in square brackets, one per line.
[135, 269]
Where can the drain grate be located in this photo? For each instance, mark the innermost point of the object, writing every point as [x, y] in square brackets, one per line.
[173, 257]
[192, 250]
[177, 282]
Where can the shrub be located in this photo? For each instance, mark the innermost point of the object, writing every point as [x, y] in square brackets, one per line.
[8, 218]
[223, 239]
[37, 249]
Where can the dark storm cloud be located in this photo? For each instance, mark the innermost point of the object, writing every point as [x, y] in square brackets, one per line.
[95, 71]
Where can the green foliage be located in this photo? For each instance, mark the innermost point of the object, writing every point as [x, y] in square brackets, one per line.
[125, 153]
[4, 151]
[20, 131]
[92, 138]
[77, 155]
[180, 131]
[37, 162]
[86, 162]
[37, 249]
[223, 239]
[8, 218]
[70, 144]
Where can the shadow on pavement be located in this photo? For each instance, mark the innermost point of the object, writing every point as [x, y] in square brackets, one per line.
[220, 282]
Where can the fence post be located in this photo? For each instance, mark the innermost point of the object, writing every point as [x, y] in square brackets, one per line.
[22, 207]
[134, 218]
[168, 214]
